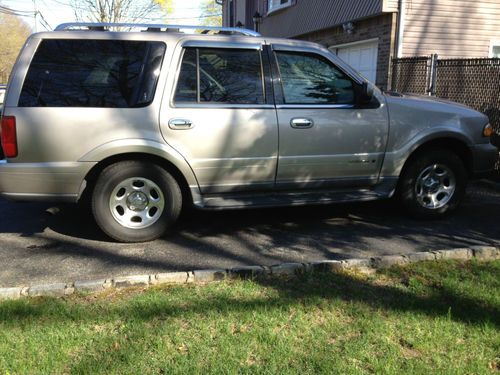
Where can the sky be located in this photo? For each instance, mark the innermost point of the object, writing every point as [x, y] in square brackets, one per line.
[55, 12]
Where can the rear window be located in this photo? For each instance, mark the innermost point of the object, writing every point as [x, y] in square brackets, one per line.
[93, 73]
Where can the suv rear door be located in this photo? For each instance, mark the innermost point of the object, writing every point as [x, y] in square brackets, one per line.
[221, 117]
[326, 138]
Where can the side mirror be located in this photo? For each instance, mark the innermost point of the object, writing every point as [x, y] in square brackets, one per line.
[366, 92]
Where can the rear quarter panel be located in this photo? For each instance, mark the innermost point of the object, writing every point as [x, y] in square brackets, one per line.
[62, 135]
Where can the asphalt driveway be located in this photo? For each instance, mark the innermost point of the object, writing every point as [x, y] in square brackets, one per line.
[44, 243]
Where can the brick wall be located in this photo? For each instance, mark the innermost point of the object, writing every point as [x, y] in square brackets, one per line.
[382, 27]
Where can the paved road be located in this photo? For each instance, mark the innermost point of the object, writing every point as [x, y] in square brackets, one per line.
[42, 243]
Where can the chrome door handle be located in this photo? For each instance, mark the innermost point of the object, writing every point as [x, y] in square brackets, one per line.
[301, 123]
[179, 124]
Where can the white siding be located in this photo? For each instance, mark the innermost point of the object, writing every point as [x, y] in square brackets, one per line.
[451, 28]
[390, 5]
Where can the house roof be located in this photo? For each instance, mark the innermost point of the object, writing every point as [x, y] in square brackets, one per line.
[312, 15]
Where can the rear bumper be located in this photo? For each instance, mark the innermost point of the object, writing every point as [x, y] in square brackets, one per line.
[484, 158]
[62, 181]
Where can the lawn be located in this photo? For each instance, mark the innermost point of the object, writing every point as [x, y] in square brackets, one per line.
[431, 317]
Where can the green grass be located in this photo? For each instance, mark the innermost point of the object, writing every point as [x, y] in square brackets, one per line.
[432, 317]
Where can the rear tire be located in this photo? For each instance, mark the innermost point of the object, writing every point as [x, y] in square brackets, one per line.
[433, 184]
[135, 201]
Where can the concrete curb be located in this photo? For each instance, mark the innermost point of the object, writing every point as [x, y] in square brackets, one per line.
[368, 265]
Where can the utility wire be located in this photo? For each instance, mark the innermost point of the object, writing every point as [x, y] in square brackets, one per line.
[26, 13]
[46, 25]
[44, 22]
[15, 12]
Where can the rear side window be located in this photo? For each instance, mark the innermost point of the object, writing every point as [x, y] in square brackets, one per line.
[232, 76]
[93, 73]
[311, 79]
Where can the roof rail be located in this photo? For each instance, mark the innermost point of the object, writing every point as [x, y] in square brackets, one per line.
[154, 27]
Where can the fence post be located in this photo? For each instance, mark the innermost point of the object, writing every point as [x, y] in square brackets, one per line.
[390, 75]
[432, 75]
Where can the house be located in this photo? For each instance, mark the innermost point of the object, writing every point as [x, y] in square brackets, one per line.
[368, 33]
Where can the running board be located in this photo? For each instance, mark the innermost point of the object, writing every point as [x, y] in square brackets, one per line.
[277, 199]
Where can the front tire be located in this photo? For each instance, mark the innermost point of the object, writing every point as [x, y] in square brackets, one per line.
[135, 201]
[433, 184]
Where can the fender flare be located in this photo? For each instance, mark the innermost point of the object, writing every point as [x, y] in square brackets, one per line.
[147, 147]
[396, 160]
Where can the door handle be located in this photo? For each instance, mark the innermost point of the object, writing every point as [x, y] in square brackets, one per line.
[179, 124]
[301, 123]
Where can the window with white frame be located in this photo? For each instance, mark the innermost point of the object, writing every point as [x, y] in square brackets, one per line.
[495, 48]
[278, 4]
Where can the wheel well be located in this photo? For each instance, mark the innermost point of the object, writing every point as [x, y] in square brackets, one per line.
[456, 146]
[94, 173]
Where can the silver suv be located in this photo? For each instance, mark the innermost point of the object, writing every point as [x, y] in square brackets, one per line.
[147, 122]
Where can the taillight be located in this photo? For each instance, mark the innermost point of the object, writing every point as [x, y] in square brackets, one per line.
[9, 136]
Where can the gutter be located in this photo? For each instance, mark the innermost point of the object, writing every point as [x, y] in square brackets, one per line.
[401, 27]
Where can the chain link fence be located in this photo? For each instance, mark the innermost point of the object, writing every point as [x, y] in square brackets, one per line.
[473, 82]
[410, 74]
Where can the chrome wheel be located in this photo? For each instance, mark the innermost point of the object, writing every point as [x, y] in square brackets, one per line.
[435, 186]
[136, 203]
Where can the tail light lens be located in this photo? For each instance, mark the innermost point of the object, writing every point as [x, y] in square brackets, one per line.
[9, 136]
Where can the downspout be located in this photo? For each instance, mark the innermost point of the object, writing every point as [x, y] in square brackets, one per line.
[401, 28]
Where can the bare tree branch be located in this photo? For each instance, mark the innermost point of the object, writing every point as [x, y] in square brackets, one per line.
[113, 10]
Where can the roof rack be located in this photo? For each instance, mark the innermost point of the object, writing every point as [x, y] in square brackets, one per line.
[154, 27]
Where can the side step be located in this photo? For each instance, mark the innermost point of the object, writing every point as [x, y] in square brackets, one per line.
[287, 198]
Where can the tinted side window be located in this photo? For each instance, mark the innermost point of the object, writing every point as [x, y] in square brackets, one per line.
[187, 83]
[312, 79]
[232, 76]
[92, 73]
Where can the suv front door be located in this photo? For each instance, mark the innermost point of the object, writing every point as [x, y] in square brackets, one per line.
[326, 138]
[222, 118]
